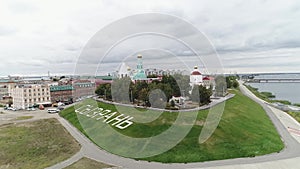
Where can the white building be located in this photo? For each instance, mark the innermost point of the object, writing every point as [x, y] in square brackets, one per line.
[27, 95]
[196, 77]
[124, 71]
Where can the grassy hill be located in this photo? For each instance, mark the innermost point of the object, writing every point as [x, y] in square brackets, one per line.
[244, 131]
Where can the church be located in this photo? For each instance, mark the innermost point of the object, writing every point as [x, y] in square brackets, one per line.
[196, 78]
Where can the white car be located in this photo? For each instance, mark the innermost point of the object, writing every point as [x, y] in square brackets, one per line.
[53, 110]
[11, 108]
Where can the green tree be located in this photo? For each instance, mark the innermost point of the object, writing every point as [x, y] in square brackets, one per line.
[235, 84]
[221, 86]
[204, 94]
[104, 90]
[201, 94]
[120, 90]
[143, 95]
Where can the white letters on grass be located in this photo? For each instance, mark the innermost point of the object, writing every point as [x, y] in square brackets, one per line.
[120, 121]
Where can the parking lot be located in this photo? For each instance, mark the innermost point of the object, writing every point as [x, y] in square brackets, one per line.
[11, 116]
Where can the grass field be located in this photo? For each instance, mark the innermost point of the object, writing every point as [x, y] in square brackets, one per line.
[86, 163]
[296, 115]
[37, 144]
[244, 131]
[24, 117]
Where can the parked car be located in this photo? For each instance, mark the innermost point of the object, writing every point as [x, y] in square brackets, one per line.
[61, 108]
[53, 110]
[30, 109]
[11, 108]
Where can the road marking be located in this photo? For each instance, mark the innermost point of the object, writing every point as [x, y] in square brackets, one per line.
[295, 131]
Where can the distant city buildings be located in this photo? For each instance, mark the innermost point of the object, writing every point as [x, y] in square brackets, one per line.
[21, 93]
[141, 74]
[24, 92]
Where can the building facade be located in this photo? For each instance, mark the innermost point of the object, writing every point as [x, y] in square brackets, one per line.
[196, 77]
[28, 95]
[83, 88]
[61, 93]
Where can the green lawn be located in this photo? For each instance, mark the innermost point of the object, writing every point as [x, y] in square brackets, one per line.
[244, 131]
[296, 115]
[86, 163]
[37, 144]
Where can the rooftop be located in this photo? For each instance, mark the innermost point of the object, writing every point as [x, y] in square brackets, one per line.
[61, 88]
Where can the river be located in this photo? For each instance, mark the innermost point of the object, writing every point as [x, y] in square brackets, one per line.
[283, 91]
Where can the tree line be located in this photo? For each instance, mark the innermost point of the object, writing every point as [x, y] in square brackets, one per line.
[154, 94]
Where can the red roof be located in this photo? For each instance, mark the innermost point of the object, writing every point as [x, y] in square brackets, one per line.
[195, 73]
[206, 78]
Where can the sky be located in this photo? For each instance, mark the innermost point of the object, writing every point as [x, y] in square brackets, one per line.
[51, 35]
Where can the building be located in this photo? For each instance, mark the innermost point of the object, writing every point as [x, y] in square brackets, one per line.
[209, 81]
[62, 93]
[27, 95]
[6, 85]
[140, 74]
[124, 71]
[196, 77]
[83, 89]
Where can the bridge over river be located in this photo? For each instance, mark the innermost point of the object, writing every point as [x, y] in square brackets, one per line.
[274, 80]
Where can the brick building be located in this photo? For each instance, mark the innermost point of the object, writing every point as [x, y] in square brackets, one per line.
[62, 93]
[83, 88]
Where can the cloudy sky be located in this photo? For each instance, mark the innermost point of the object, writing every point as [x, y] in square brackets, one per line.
[255, 36]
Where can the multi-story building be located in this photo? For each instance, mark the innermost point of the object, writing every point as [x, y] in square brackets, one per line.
[61, 93]
[6, 85]
[83, 88]
[27, 95]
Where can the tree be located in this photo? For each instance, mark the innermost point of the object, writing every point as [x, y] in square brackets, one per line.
[221, 86]
[235, 84]
[120, 90]
[183, 82]
[143, 95]
[228, 82]
[204, 94]
[104, 90]
[201, 94]
[195, 94]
